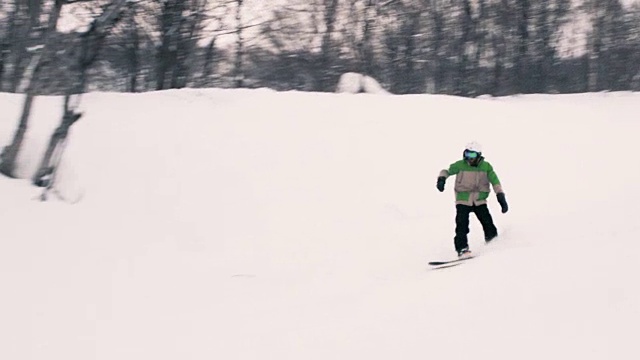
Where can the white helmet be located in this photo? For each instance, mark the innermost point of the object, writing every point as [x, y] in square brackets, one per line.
[472, 153]
[474, 146]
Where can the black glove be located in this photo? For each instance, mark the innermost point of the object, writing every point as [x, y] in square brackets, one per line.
[503, 202]
[440, 183]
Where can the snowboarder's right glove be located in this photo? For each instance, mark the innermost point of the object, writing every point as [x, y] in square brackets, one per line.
[503, 202]
[440, 183]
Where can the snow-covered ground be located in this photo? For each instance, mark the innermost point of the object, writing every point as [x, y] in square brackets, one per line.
[251, 224]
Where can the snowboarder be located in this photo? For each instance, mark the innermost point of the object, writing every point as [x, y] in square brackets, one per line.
[473, 176]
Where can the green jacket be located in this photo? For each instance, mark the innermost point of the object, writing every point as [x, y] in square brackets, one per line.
[472, 182]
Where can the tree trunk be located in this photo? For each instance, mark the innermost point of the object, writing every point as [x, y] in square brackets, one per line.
[238, 66]
[132, 54]
[413, 82]
[462, 76]
[593, 49]
[438, 43]
[326, 53]
[44, 175]
[209, 61]
[521, 63]
[366, 62]
[4, 50]
[168, 28]
[20, 33]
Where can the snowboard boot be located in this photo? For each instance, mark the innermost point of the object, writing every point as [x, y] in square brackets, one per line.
[464, 253]
[490, 238]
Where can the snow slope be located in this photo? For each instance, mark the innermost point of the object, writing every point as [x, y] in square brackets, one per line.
[251, 224]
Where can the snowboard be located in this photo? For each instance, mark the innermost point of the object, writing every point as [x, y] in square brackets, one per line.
[449, 263]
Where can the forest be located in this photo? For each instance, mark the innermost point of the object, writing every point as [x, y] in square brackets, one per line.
[456, 47]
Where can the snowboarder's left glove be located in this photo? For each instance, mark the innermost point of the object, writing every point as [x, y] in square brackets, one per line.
[440, 183]
[503, 202]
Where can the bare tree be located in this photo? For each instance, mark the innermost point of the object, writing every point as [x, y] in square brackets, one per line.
[238, 65]
[551, 16]
[608, 46]
[208, 66]
[180, 26]
[463, 46]
[170, 21]
[326, 48]
[6, 22]
[365, 22]
[215, 28]
[10, 153]
[91, 42]
[132, 50]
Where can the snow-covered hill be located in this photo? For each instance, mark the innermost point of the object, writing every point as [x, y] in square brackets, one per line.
[251, 224]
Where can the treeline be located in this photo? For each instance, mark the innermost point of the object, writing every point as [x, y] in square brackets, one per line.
[460, 47]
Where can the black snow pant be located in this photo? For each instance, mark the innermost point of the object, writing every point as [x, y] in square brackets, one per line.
[462, 224]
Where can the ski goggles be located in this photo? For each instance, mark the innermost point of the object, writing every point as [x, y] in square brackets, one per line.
[469, 154]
